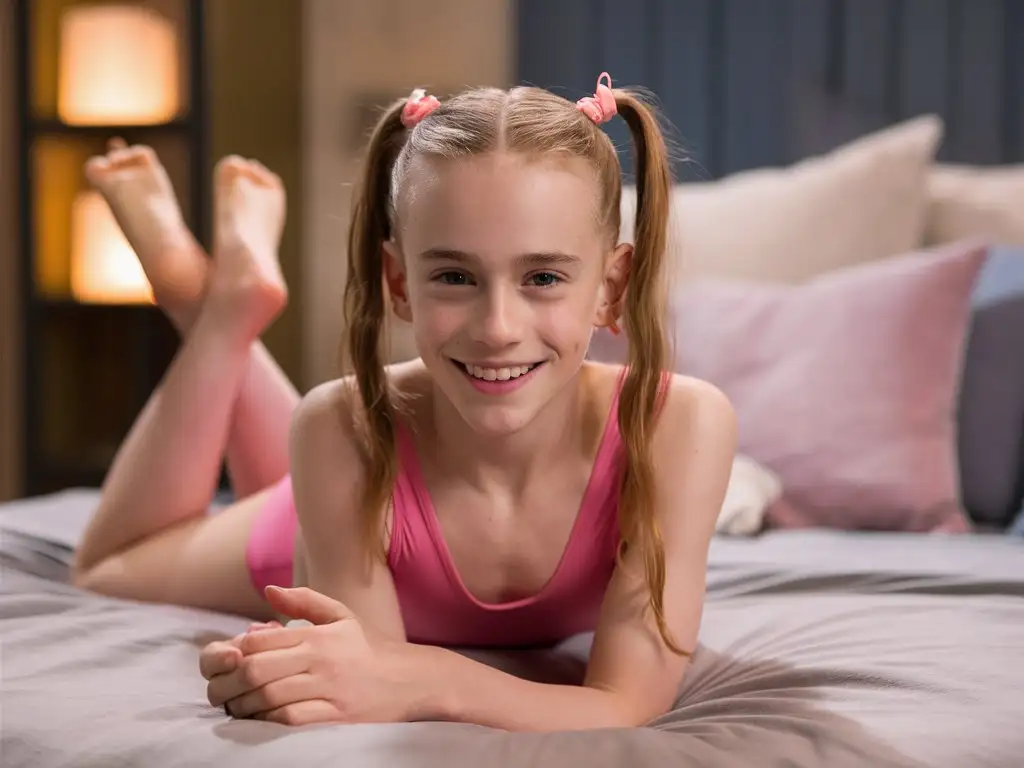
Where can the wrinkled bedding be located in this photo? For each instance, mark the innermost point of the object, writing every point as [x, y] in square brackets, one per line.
[817, 649]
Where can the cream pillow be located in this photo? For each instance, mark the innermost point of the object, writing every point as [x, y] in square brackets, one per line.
[863, 201]
[968, 201]
[752, 489]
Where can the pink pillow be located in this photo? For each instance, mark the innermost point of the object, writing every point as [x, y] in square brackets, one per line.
[844, 385]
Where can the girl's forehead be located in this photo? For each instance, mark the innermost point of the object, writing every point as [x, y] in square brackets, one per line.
[499, 203]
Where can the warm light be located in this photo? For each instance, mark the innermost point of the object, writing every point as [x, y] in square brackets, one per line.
[104, 268]
[118, 66]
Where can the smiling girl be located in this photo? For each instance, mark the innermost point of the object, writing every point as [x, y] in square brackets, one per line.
[500, 491]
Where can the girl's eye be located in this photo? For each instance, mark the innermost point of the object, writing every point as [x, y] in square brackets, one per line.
[545, 279]
[453, 278]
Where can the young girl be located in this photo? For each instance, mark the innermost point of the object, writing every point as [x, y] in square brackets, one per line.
[498, 491]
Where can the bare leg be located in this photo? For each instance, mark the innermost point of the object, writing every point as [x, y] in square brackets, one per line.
[142, 199]
[164, 476]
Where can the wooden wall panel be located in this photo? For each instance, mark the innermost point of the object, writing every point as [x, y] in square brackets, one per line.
[255, 104]
[10, 275]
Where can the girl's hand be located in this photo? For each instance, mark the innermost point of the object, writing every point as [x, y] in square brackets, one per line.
[222, 656]
[327, 672]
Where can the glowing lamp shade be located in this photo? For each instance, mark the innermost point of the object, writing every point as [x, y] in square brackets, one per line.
[104, 268]
[118, 66]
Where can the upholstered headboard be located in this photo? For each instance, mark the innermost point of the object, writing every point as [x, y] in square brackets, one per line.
[749, 83]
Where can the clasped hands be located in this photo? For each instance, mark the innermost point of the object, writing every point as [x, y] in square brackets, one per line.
[298, 675]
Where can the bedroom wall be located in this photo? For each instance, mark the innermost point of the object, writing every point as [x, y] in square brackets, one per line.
[10, 329]
[255, 107]
[765, 82]
[359, 55]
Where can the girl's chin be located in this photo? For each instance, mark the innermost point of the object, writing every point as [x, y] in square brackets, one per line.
[492, 421]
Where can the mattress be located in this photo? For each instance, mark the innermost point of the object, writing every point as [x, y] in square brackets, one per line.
[817, 648]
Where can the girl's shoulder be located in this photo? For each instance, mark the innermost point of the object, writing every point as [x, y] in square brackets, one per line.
[601, 383]
[411, 389]
[329, 430]
[337, 402]
[606, 379]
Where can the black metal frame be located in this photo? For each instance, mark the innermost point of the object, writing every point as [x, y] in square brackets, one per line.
[37, 476]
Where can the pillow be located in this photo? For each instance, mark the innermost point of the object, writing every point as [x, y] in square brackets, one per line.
[752, 490]
[966, 201]
[991, 418]
[845, 386]
[1017, 528]
[863, 201]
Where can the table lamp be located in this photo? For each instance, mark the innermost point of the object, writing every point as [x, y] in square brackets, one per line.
[118, 66]
[104, 268]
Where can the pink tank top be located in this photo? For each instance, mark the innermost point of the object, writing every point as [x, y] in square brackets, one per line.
[437, 608]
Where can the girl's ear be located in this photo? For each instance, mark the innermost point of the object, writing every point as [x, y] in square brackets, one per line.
[613, 287]
[394, 274]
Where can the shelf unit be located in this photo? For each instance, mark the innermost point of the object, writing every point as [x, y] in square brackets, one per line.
[89, 368]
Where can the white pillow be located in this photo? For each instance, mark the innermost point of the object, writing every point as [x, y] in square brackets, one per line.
[865, 200]
[753, 488]
[967, 201]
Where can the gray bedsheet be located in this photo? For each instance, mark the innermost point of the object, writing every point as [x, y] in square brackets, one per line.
[817, 649]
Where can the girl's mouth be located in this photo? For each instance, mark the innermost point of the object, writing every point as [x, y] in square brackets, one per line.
[497, 380]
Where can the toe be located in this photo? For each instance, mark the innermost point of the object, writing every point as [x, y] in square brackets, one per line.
[260, 171]
[255, 172]
[229, 168]
[95, 167]
[120, 156]
[264, 176]
[145, 155]
[128, 157]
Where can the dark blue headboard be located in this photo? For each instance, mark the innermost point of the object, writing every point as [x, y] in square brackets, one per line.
[766, 82]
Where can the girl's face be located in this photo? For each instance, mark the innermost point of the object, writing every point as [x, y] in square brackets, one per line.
[504, 271]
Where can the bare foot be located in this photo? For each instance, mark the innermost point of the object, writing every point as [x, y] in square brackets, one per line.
[139, 193]
[249, 210]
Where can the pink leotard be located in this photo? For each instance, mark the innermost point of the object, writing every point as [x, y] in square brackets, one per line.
[436, 607]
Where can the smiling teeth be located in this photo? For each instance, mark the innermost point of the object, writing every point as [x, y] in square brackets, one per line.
[498, 374]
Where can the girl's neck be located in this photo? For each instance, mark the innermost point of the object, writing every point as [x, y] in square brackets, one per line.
[508, 462]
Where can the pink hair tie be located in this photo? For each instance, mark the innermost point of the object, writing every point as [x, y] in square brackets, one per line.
[418, 106]
[601, 106]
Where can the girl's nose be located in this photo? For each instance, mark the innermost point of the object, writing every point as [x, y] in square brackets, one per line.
[498, 324]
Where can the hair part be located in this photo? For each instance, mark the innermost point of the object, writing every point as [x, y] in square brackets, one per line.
[533, 122]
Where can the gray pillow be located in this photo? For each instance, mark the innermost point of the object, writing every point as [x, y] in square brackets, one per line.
[1017, 528]
[991, 405]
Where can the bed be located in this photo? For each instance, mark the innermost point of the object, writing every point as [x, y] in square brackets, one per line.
[818, 648]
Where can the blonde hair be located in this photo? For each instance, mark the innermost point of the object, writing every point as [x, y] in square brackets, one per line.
[530, 121]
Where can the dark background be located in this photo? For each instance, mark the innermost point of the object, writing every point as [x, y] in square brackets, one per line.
[747, 83]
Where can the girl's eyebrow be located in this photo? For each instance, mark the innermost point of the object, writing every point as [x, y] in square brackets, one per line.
[542, 259]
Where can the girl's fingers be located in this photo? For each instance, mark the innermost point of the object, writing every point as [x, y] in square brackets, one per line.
[275, 695]
[255, 672]
[302, 713]
[256, 626]
[218, 658]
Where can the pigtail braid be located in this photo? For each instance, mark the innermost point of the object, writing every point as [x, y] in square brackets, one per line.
[364, 316]
[645, 310]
